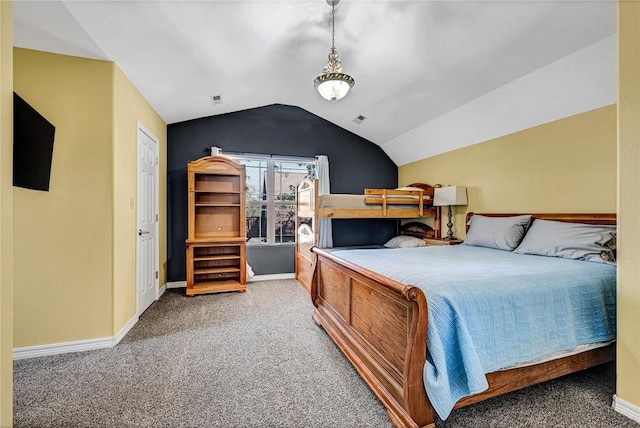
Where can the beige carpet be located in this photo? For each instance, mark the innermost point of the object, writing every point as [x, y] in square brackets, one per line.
[256, 359]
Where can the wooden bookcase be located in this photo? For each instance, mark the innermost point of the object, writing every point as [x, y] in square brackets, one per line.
[216, 239]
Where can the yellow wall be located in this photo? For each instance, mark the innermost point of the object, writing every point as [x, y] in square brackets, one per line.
[75, 246]
[628, 348]
[129, 109]
[6, 215]
[564, 166]
[62, 238]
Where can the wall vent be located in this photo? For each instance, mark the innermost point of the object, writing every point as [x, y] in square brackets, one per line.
[359, 119]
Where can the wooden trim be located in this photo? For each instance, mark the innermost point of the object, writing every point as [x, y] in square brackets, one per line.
[376, 212]
[501, 382]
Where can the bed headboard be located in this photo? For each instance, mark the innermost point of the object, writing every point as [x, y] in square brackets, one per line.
[607, 218]
[304, 199]
[427, 190]
[417, 230]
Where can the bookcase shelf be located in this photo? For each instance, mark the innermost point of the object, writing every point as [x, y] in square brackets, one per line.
[216, 243]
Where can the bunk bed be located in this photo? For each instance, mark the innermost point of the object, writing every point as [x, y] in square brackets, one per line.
[390, 329]
[414, 201]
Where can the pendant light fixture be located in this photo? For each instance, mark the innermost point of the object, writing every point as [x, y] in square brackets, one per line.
[332, 83]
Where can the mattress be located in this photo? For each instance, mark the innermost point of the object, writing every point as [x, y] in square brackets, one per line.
[339, 200]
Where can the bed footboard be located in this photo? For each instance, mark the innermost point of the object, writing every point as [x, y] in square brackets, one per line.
[380, 325]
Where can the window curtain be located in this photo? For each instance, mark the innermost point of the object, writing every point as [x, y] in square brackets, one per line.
[325, 237]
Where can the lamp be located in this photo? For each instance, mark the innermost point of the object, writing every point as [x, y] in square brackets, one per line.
[332, 83]
[450, 195]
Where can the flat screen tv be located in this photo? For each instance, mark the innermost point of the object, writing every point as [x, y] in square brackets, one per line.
[32, 146]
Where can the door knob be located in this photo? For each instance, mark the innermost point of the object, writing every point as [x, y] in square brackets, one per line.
[141, 232]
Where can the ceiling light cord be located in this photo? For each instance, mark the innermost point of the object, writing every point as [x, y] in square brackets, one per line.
[333, 25]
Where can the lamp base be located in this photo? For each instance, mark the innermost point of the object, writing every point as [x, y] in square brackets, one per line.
[449, 236]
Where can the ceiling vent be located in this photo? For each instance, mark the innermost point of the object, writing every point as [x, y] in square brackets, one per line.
[216, 99]
[359, 119]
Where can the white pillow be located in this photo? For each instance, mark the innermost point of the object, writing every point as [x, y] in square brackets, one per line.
[594, 243]
[404, 242]
[503, 233]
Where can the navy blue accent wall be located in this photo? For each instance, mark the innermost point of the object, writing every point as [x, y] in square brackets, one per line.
[354, 163]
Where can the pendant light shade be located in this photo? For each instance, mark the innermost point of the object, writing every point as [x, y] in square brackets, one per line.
[333, 83]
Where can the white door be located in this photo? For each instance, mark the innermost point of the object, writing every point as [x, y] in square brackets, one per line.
[147, 241]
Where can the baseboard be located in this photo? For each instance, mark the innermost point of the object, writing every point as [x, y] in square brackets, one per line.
[162, 290]
[109, 342]
[183, 284]
[273, 277]
[124, 330]
[629, 410]
[62, 348]
[176, 284]
[74, 346]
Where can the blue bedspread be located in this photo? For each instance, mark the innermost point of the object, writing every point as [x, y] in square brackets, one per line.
[491, 309]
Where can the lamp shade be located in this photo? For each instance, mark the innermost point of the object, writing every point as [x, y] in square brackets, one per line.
[333, 83]
[450, 195]
[333, 86]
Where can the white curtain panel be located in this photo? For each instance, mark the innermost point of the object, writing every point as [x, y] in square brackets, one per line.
[325, 237]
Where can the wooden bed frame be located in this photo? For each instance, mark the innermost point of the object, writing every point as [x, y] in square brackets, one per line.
[382, 203]
[381, 326]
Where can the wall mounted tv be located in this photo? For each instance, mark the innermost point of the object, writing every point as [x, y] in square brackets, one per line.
[32, 146]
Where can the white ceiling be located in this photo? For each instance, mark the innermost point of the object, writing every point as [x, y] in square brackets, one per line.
[413, 61]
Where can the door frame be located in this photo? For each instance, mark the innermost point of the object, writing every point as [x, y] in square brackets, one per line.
[141, 128]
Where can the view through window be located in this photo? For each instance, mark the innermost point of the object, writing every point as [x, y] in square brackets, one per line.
[271, 184]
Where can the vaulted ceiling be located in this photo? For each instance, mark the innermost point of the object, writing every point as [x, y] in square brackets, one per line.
[413, 61]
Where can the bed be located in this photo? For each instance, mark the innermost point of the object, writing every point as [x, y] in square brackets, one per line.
[391, 331]
[414, 201]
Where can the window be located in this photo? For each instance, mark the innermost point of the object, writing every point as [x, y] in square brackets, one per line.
[271, 195]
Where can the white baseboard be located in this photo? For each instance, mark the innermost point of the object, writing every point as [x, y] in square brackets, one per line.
[109, 342]
[272, 277]
[62, 348]
[183, 284]
[176, 284]
[629, 410]
[162, 290]
[74, 346]
[124, 330]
